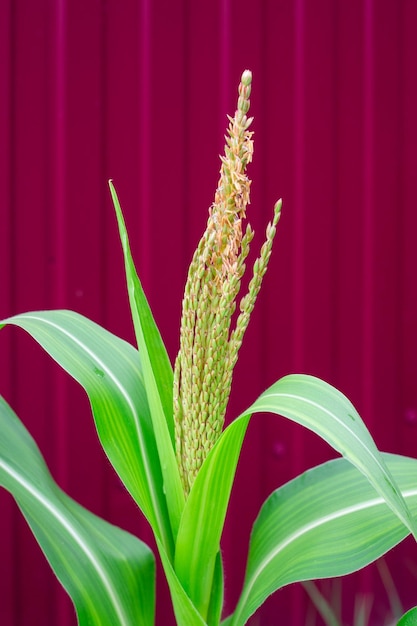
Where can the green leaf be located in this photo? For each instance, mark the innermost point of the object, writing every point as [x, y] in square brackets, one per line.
[109, 574]
[323, 409]
[307, 401]
[198, 540]
[142, 317]
[185, 612]
[217, 592]
[110, 371]
[327, 522]
[158, 376]
[409, 618]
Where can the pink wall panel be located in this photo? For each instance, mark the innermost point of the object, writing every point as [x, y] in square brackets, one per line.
[138, 91]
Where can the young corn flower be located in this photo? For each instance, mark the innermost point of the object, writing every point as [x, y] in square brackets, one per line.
[208, 346]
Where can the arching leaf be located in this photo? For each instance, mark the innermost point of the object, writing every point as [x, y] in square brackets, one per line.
[327, 522]
[110, 371]
[109, 574]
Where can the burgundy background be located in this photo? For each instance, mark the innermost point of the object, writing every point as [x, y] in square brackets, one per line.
[138, 90]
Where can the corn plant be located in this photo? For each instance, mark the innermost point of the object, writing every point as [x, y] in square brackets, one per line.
[162, 428]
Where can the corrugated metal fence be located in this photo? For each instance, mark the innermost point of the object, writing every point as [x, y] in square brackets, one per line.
[138, 91]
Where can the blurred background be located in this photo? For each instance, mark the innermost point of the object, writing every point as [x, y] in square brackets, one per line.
[138, 91]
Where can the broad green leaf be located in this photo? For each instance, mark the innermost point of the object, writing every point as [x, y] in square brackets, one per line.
[323, 409]
[327, 522]
[110, 371]
[409, 618]
[157, 374]
[198, 540]
[109, 574]
[305, 400]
